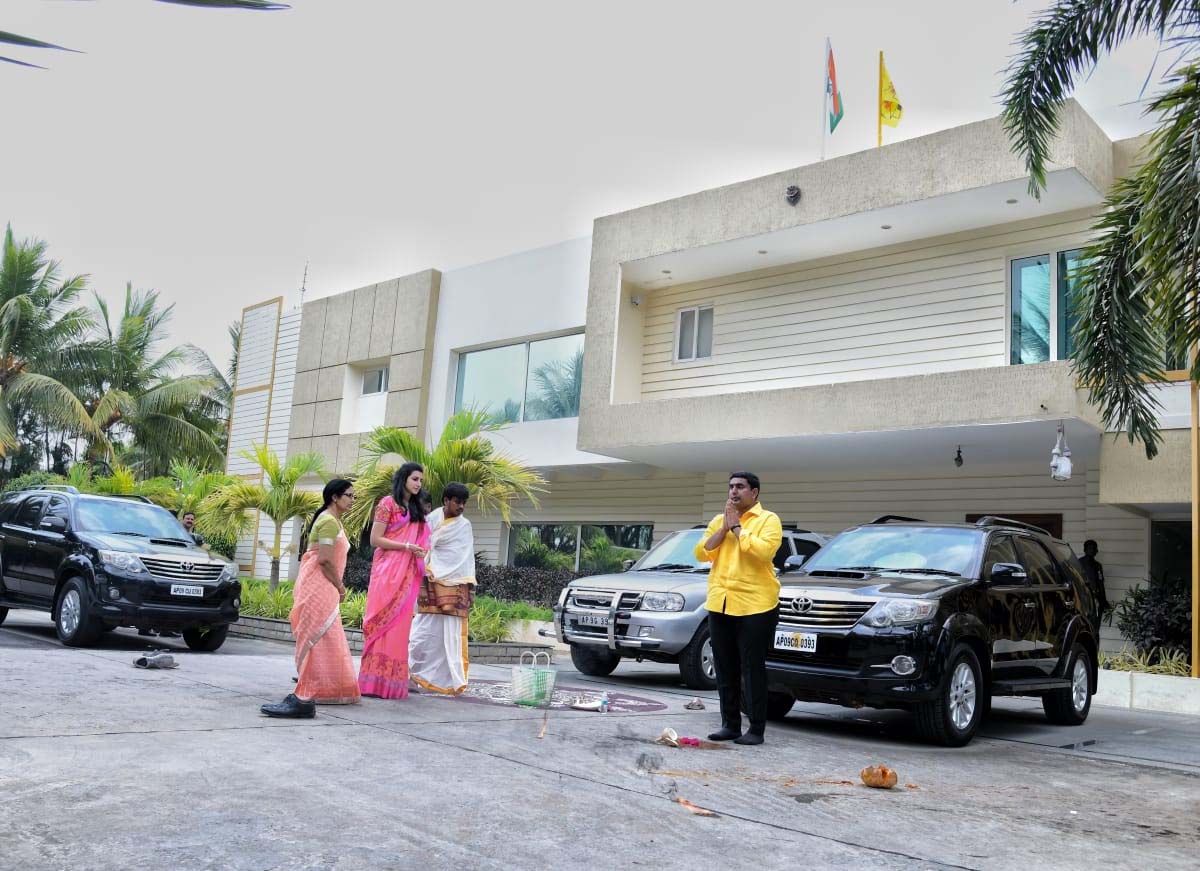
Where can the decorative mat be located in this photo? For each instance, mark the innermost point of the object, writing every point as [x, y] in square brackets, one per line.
[491, 692]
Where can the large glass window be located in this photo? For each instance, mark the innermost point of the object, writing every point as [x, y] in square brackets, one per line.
[1030, 290]
[1069, 263]
[555, 378]
[595, 549]
[530, 381]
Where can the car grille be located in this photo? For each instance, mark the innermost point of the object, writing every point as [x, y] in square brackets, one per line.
[823, 613]
[601, 600]
[182, 570]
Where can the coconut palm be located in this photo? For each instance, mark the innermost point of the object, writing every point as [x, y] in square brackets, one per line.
[40, 323]
[463, 453]
[227, 509]
[1136, 299]
[559, 383]
[134, 396]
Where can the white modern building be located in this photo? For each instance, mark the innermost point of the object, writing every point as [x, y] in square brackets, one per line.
[910, 309]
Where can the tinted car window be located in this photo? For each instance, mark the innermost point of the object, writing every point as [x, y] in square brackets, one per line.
[1001, 550]
[805, 548]
[1037, 562]
[57, 508]
[7, 505]
[781, 555]
[133, 518]
[30, 511]
[901, 547]
[1070, 565]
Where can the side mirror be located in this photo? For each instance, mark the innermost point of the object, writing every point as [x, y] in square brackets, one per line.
[1008, 574]
[627, 564]
[54, 524]
[793, 562]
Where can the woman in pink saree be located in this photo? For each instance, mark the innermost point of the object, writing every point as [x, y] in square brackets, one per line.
[400, 536]
[323, 662]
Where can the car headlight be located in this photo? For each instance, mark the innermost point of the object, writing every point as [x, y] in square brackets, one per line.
[662, 602]
[229, 573]
[899, 612]
[123, 561]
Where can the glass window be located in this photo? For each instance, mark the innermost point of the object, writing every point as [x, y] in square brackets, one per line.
[493, 381]
[58, 508]
[687, 334]
[555, 378]
[1037, 562]
[1031, 309]
[607, 548]
[695, 329]
[900, 547]
[1001, 550]
[375, 381]
[543, 545]
[1069, 263]
[30, 511]
[121, 517]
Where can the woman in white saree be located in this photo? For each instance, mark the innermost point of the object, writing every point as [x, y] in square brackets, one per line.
[437, 652]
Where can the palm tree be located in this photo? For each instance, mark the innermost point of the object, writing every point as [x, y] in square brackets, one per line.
[559, 383]
[39, 325]
[226, 510]
[1136, 298]
[133, 394]
[463, 454]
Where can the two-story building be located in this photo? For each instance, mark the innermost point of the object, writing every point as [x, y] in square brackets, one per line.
[894, 341]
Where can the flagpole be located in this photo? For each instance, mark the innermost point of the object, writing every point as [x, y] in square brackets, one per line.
[825, 93]
[879, 107]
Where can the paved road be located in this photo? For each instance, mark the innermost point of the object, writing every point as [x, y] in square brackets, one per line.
[106, 766]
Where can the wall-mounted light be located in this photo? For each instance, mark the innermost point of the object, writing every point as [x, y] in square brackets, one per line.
[958, 460]
[635, 300]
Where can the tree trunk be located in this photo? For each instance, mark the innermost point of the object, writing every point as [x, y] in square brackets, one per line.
[274, 580]
[276, 556]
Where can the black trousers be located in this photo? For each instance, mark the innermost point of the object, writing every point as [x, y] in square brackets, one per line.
[740, 646]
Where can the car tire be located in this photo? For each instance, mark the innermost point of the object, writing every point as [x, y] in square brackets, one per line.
[952, 718]
[73, 621]
[696, 664]
[205, 639]
[779, 705]
[594, 661]
[1070, 707]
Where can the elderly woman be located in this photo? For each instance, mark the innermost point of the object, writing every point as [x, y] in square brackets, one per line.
[322, 653]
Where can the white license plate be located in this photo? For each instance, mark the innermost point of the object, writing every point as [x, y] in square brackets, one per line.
[187, 590]
[801, 642]
[592, 619]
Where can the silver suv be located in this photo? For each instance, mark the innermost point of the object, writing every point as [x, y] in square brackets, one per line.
[655, 609]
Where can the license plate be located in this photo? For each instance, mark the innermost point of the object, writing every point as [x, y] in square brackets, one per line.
[801, 642]
[592, 619]
[187, 590]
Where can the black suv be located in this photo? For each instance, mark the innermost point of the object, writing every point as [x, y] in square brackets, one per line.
[99, 562]
[938, 618]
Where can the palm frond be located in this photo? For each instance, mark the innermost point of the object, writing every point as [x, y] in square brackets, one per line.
[386, 440]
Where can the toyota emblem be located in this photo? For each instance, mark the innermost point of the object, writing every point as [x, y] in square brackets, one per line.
[189, 567]
[802, 604]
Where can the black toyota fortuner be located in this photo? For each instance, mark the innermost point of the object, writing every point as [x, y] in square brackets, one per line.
[99, 562]
[938, 618]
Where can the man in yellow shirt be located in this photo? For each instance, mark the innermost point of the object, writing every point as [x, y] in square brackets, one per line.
[743, 605]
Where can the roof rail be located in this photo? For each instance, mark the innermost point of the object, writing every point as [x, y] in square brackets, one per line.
[66, 488]
[127, 496]
[993, 520]
[889, 518]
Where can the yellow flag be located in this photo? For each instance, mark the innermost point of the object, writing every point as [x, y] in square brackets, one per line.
[890, 109]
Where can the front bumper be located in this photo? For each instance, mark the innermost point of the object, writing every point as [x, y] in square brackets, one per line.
[148, 603]
[853, 667]
[629, 631]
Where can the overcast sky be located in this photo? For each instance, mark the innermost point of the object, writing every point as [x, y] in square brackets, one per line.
[210, 154]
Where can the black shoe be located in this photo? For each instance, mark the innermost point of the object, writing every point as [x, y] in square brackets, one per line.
[292, 707]
[724, 734]
[750, 738]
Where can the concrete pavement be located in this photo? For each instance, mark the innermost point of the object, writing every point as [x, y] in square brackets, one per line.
[106, 766]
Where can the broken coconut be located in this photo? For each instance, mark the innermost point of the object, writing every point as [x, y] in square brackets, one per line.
[879, 776]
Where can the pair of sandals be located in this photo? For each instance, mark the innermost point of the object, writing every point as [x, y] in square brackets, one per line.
[156, 660]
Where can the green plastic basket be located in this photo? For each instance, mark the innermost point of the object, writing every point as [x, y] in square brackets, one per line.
[533, 683]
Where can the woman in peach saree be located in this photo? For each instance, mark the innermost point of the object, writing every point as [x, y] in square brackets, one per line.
[323, 661]
[401, 537]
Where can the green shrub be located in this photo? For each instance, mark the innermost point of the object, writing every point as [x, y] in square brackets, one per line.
[532, 552]
[220, 543]
[1157, 618]
[32, 479]
[490, 617]
[1170, 662]
[523, 583]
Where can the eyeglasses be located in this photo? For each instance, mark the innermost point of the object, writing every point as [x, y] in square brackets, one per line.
[348, 496]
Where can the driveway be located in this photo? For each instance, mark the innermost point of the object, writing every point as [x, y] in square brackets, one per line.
[106, 766]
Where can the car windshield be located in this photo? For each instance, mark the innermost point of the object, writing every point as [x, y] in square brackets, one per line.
[899, 547]
[675, 552]
[138, 519]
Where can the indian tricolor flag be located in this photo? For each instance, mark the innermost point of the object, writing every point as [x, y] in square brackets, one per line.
[833, 97]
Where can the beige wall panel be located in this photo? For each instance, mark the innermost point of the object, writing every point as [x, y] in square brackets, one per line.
[406, 371]
[312, 334]
[384, 319]
[331, 383]
[302, 421]
[1128, 478]
[335, 344]
[327, 418]
[361, 318]
[327, 447]
[304, 389]
[403, 408]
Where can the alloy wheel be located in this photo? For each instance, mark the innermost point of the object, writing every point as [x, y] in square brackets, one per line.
[69, 612]
[962, 696]
[1079, 685]
[707, 664]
